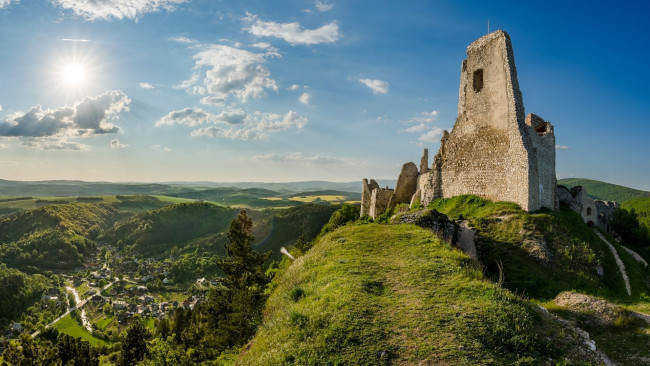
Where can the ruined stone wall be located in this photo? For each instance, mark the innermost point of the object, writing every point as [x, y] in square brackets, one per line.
[491, 152]
[366, 193]
[379, 200]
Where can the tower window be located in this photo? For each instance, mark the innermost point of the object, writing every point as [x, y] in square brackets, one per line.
[478, 80]
[588, 211]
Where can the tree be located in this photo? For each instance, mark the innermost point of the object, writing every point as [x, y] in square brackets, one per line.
[27, 352]
[166, 354]
[243, 266]
[233, 311]
[81, 353]
[134, 344]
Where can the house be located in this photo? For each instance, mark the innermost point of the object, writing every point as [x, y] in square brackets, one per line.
[98, 299]
[17, 327]
[201, 281]
[119, 305]
[166, 281]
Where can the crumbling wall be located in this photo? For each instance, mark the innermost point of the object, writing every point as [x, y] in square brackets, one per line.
[379, 201]
[406, 186]
[491, 152]
[366, 193]
[605, 213]
[594, 212]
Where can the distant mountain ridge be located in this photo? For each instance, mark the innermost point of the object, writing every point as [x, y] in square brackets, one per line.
[62, 188]
[605, 191]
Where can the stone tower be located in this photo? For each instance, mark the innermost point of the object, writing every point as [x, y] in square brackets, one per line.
[494, 150]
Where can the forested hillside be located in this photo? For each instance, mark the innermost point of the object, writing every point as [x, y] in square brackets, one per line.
[604, 191]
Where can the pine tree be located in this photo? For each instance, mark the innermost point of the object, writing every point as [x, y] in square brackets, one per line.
[234, 310]
[134, 344]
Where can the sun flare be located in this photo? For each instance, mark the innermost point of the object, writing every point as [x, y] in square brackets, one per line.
[74, 74]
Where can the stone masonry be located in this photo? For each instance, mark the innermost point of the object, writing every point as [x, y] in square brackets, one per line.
[593, 212]
[494, 150]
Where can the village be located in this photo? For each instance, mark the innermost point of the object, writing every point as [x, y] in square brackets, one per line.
[102, 302]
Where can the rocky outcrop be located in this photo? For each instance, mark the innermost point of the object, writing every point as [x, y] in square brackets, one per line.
[433, 220]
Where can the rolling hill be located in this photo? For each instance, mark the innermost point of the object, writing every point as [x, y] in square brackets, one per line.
[605, 191]
[396, 295]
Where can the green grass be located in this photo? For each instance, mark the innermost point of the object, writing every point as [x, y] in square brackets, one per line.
[394, 294]
[104, 321]
[605, 191]
[508, 236]
[69, 326]
[173, 200]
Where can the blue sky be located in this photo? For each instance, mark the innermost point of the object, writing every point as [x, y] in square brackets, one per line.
[208, 90]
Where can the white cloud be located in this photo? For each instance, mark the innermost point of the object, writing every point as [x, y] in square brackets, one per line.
[304, 98]
[182, 40]
[562, 147]
[377, 86]
[254, 126]
[196, 116]
[298, 158]
[115, 144]
[233, 134]
[422, 125]
[90, 116]
[54, 145]
[118, 9]
[224, 71]
[416, 128]
[212, 100]
[424, 117]
[323, 6]
[433, 135]
[146, 86]
[0, 108]
[166, 149]
[293, 32]
[294, 87]
[73, 39]
[5, 3]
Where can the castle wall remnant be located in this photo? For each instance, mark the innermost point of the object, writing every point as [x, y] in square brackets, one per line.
[494, 150]
[593, 212]
[379, 200]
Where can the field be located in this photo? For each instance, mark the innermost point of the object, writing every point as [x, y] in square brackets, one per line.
[69, 326]
[327, 198]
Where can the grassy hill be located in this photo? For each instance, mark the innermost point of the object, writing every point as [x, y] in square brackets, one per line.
[605, 191]
[543, 254]
[396, 295]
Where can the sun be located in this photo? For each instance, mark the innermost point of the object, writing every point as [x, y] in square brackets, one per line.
[73, 74]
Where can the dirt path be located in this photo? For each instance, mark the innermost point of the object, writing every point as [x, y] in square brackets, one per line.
[466, 240]
[620, 264]
[635, 255]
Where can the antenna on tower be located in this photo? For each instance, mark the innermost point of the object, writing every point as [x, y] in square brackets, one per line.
[488, 25]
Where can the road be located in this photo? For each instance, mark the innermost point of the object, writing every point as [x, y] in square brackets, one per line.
[79, 304]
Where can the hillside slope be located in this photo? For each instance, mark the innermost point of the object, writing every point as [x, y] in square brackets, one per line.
[604, 191]
[395, 294]
[55, 236]
[158, 230]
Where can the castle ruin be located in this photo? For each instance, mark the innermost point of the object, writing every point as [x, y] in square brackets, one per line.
[494, 150]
